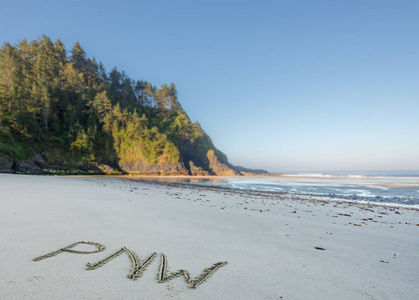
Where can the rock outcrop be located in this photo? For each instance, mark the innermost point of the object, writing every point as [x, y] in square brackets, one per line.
[6, 164]
[197, 171]
[216, 167]
[40, 160]
[248, 171]
[145, 168]
[107, 169]
[28, 166]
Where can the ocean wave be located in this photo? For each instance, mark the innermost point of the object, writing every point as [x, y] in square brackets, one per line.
[321, 175]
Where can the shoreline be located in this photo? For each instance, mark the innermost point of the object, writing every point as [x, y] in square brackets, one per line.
[195, 180]
[308, 176]
[283, 195]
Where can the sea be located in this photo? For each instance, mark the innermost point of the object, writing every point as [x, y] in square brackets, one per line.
[395, 187]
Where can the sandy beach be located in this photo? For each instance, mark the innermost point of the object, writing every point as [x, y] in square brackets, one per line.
[276, 247]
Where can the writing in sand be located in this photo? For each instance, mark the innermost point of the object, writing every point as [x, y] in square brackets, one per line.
[139, 266]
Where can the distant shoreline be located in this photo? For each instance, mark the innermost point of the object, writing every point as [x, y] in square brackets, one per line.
[278, 175]
[282, 175]
[324, 198]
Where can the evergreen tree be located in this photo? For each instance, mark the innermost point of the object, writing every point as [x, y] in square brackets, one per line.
[173, 101]
[102, 73]
[115, 80]
[78, 58]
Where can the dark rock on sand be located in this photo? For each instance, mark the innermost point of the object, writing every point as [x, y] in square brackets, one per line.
[6, 164]
[28, 166]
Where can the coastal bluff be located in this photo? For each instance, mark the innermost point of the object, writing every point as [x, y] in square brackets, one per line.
[62, 113]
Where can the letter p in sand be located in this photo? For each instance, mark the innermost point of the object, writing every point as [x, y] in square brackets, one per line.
[99, 248]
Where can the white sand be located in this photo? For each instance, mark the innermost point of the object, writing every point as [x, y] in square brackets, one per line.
[270, 253]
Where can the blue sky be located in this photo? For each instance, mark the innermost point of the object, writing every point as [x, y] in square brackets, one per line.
[281, 85]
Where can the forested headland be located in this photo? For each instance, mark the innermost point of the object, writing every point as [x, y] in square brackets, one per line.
[62, 112]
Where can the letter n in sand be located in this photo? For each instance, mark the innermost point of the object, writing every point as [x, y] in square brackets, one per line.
[137, 266]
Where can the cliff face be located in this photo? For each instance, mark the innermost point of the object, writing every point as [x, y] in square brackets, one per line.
[144, 168]
[196, 171]
[218, 168]
[38, 164]
[35, 165]
[6, 164]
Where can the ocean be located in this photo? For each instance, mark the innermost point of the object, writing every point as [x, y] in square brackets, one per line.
[401, 187]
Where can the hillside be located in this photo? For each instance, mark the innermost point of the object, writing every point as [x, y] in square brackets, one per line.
[64, 114]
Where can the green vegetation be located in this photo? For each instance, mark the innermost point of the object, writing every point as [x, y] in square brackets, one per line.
[75, 113]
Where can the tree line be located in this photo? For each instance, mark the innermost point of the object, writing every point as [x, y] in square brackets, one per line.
[70, 107]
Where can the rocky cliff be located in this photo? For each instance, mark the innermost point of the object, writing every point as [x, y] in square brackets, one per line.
[38, 164]
[216, 167]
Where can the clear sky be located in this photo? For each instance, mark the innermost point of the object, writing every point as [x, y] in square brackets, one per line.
[281, 85]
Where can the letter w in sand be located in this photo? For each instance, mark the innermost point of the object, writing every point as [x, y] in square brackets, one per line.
[162, 276]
